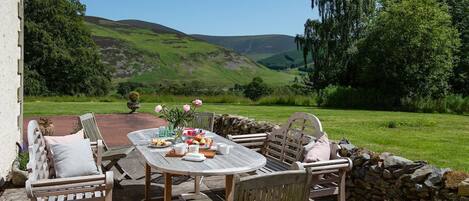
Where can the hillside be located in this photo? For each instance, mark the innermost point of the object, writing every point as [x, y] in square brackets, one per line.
[151, 53]
[277, 52]
[256, 47]
[286, 60]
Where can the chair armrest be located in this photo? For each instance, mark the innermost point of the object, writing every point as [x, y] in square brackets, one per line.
[248, 137]
[72, 185]
[98, 148]
[252, 141]
[336, 164]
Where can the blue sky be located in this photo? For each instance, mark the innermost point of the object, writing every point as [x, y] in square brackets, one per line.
[211, 17]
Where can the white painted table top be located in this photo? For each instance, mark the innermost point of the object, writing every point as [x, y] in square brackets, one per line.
[239, 160]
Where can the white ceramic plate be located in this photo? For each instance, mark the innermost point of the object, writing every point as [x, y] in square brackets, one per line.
[167, 144]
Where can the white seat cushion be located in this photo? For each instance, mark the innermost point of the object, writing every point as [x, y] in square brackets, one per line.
[73, 159]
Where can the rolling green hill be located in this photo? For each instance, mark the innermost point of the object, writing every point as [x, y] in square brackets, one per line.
[151, 53]
[256, 47]
[277, 52]
[286, 60]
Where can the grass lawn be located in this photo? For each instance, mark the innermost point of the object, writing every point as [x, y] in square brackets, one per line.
[441, 139]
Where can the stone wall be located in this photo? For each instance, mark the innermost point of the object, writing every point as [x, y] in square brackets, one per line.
[237, 125]
[375, 176]
[10, 83]
[385, 176]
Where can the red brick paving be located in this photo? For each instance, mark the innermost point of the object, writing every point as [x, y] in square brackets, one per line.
[113, 127]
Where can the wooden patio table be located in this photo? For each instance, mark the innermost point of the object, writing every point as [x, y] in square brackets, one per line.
[239, 160]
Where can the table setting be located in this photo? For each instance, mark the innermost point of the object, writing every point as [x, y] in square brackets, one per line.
[177, 149]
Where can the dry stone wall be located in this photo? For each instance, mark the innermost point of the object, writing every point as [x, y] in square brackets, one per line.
[384, 176]
[238, 125]
[375, 176]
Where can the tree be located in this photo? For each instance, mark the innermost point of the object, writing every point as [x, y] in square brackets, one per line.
[409, 50]
[256, 89]
[331, 40]
[59, 51]
[459, 10]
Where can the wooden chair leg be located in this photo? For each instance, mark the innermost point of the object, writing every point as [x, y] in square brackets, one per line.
[124, 174]
[113, 163]
[229, 187]
[341, 195]
[108, 195]
[168, 182]
[197, 184]
[109, 165]
[147, 181]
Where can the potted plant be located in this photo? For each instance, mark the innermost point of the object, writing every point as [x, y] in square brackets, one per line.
[19, 173]
[133, 104]
[46, 126]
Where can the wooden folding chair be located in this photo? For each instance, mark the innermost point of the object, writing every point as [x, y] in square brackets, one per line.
[203, 120]
[113, 155]
[290, 185]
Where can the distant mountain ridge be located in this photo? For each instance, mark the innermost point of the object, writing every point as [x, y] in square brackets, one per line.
[152, 53]
[256, 47]
[157, 28]
[277, 52]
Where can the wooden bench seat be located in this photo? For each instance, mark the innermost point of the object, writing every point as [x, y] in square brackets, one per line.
[42, 185]
[284, 149]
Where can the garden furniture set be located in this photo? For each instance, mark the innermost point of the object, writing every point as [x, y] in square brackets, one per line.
[273, 162]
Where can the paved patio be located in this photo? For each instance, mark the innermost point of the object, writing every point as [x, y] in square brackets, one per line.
[134, 189]
[114, 128]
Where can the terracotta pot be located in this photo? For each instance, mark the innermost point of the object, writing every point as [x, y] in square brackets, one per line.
[47, 130]
[18, 177]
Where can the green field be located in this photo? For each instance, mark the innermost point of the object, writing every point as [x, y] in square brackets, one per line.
[441, 139]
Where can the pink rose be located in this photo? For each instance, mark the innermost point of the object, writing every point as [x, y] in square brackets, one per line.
[197, 102]
[186, 107]
[158, 108]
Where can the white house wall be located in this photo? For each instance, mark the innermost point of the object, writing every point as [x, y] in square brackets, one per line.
[10, 83]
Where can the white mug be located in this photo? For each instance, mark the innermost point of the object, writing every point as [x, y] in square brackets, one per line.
[224, 148]
[194, 148]
[180, 148]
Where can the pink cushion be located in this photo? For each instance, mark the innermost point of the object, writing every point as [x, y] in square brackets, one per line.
[318, 151]
[67, 139]
[64, 139]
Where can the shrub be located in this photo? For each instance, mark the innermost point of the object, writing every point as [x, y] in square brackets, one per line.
[134, 96]
[256, 89]
[348, 97]
[125, 88]
[23, 158]
[392, 124]
[292, 100]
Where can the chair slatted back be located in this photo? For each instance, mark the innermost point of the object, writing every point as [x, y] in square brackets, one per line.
[90, 128]
[203, 120]
[38, 166]
[291, 185]
[286, 144]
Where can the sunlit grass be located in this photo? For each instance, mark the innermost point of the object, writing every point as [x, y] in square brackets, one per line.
[440, 139]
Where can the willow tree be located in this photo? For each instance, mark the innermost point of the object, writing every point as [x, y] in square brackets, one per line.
[330, 40]
[459, 11]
